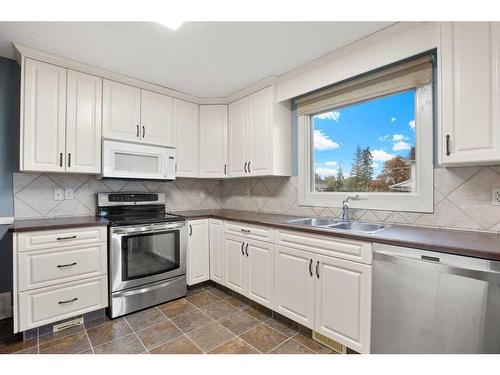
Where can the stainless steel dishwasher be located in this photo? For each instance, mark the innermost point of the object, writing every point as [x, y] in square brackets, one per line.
[430, 302]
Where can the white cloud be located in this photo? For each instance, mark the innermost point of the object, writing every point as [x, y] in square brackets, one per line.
[393, 119]
[385, 138]
[399, 137]
[381, 155]
[325, 172]
[332, 115]
[401, 145]
[331, 163]
[323, 142]
[411, 124]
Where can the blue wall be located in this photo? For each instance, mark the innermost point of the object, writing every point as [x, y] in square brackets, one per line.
[10, 80]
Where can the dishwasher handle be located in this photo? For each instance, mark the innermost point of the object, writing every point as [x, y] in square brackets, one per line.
[487, 276]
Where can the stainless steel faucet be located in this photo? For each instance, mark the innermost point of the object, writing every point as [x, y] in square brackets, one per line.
[345, 207]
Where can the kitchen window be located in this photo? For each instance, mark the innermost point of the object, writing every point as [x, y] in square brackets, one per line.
[370, 137]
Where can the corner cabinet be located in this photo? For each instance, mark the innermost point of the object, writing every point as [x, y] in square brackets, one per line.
[198, 252]
[61, 119]
[186, 129]
[470, 93]
[259, 136]
[213, 141]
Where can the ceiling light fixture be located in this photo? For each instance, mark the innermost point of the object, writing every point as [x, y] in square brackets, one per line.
[172, 24]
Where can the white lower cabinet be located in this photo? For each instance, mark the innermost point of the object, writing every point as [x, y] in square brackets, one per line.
[198, 266]
[216, 246]
[250, 268]
[234, 247]
[342, 302]
[43, 306]
[294, 285]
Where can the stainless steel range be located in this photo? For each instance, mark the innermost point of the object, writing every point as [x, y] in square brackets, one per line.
[147, 251]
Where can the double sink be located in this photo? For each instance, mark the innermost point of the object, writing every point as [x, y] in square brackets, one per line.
[368, 228]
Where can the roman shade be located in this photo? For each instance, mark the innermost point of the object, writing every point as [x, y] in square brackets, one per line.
[394, 78]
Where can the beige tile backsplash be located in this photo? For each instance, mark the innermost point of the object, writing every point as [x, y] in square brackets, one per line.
[462, 197]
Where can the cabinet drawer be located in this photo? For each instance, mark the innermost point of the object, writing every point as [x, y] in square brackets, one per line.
[249, 231]
[48, 305]
[357, 251]
[49, 239]
[42, 268]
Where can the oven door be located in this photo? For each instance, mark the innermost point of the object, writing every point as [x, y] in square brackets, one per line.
[147, 253]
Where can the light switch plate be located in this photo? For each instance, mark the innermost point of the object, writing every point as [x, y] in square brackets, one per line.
[68, 194]
[58, 194]
[495, 197]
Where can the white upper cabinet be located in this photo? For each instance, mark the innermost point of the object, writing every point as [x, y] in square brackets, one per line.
[83, 123]
[213, 141]
[156, 118]
[237, 137]
[259, 136]
[62, 120]
[186, 137]
[470, 93]
[44, 127]
[121, 116]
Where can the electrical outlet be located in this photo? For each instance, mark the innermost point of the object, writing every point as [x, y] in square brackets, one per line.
[495, 197]
[58, 194]
[68, 194]
[247, 192]
[202, 193]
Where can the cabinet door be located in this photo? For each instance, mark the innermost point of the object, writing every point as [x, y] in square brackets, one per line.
[83, 123]
[294, 285]
[156, 118]
[260, 272]
[213, 140]
[470, 66]
[216, 240]
[260, 133]
[343, 302]
[238, 138]
[44, 117]
[198, 252]
[234, 271]
[121, 111]
[186, 137]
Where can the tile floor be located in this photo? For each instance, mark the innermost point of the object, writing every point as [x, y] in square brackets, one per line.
[207, 321]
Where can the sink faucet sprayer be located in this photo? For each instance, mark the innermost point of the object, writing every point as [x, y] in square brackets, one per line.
[345, 207]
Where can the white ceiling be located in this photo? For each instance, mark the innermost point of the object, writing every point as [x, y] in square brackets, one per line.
[204, 59]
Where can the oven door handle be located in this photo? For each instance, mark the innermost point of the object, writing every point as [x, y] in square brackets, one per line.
[143, 290]
[126, 231]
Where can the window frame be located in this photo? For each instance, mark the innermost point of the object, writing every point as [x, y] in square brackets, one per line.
[422, 200]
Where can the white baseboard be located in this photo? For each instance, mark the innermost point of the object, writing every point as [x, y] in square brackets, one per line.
[5, 305]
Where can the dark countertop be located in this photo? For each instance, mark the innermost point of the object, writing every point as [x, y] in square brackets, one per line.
[29, 225]
[468, 243]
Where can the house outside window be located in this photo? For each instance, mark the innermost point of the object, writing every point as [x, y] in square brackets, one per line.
[371, 136]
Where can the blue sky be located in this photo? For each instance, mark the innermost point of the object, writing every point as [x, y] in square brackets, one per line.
[386, 124]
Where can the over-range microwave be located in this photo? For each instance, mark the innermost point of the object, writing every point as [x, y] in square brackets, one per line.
[134, 160]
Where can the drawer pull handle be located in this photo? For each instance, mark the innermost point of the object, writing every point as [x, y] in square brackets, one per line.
[66, 265]
[68, 301]
[66, 238]
[245, 230]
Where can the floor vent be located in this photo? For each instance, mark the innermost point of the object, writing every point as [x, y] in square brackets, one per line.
[328, 342]
[68, 324]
